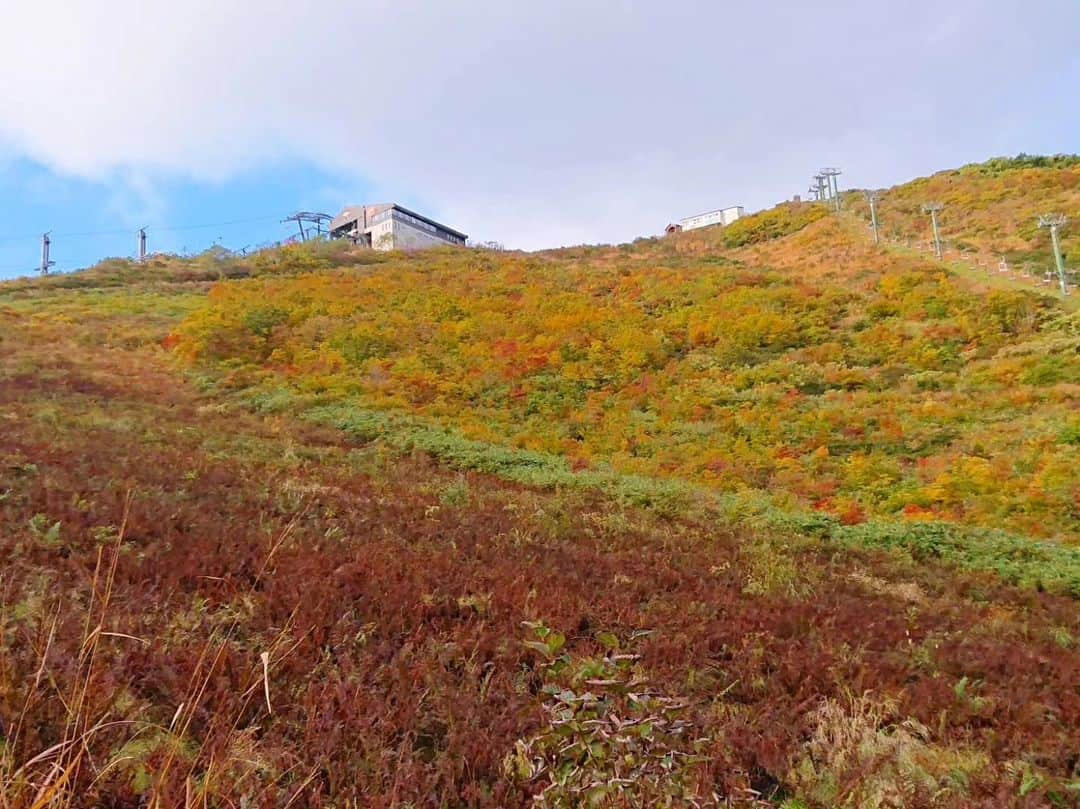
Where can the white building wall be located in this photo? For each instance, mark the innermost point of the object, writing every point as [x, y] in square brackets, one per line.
[394, 234]
[407, 237]
[733, 213]
[382, 235]
[724, 216]
[703, 220]
[403, 231]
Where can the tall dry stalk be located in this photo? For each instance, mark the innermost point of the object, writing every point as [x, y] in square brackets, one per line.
[54, 777]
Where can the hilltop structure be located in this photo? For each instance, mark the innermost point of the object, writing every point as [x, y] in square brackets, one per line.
[721, 216]
[389, 226]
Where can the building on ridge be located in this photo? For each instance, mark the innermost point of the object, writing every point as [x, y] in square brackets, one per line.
[722, 216]
[389, 226]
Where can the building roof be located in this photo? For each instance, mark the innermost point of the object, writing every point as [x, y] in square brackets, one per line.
[351, 213]
[716, 210]
[429, 220]
[354, 212]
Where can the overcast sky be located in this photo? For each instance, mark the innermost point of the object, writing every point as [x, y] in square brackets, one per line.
[533, 123]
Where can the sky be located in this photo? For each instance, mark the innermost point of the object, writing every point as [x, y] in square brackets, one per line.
[532, 124]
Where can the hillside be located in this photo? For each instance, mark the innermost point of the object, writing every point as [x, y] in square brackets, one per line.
[763, 516]
[991, 210]
[830, 376]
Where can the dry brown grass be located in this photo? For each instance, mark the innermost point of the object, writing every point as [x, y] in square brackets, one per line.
[861, 754]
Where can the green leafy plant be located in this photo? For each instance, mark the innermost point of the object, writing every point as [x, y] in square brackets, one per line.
[609, 739]
[45, 532]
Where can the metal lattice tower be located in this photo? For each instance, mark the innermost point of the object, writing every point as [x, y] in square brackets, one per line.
[312, 218]
[934, 208]
[830, 175]
[46, 243]
[872, 197]
[1054, 221]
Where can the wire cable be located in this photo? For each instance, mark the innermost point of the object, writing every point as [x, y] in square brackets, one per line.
[60, 234]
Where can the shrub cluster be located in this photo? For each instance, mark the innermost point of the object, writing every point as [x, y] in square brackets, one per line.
[875, 386]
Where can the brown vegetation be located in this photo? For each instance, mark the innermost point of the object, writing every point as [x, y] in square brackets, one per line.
[201, 606]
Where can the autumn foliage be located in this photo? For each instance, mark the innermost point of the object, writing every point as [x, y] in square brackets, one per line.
[991, 208]
[707, 521]
[204, 606]
[811, 367]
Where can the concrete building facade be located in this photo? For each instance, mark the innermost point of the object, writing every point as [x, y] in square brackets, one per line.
[722, 216]
[389, 226]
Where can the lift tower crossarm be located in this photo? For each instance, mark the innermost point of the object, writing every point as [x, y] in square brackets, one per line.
[312, 218]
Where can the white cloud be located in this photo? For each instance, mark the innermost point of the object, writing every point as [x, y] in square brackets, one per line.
[532, 123]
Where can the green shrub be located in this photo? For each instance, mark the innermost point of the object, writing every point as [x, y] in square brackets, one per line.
[782, 220]
[608, 739]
